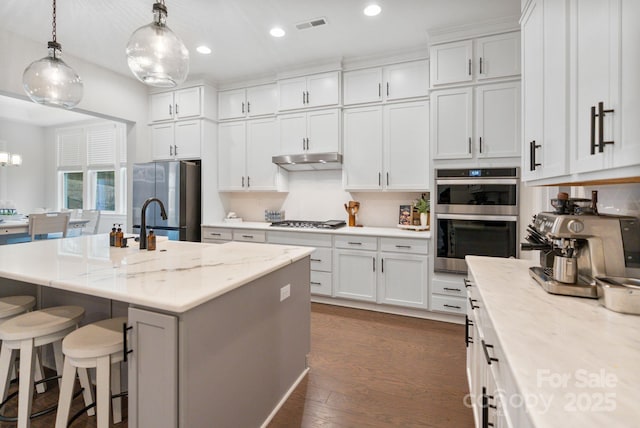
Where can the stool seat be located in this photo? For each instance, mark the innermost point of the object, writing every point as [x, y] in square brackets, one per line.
[41, 323]
[94, 340]
[14, 305]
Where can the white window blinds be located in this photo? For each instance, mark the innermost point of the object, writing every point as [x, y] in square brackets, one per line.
[101, 145]
[70, 148]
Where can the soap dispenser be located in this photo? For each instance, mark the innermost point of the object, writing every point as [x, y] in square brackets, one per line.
[112, 236]
[151, 241]
[119, 236]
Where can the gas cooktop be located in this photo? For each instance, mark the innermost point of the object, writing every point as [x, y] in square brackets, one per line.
[308, 224]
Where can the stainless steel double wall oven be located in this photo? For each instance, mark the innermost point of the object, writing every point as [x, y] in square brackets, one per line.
[476, 213]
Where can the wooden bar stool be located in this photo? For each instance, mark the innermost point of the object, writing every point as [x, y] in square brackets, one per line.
[26, 332]
[98, 345]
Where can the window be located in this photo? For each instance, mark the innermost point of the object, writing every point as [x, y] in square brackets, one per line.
[92, 167]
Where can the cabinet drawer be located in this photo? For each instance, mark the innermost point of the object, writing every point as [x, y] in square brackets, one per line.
[321, 260]
[210, 234]
[357, 242]
[451, 289]
[456, 305]
[405, 245]
[321, 283]
[249, 235]
[297, 238]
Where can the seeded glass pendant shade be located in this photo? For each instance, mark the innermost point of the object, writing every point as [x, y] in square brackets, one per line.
[49, 80]
[156, 56]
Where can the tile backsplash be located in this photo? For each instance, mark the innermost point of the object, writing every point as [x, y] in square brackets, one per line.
[618, 199]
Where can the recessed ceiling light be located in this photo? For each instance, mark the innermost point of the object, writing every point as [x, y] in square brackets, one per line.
[205, 50]
[372, 10]
[277, 32]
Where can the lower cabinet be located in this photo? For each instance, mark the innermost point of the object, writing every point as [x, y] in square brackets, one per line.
[448, 293]
[153, 400]
[215, 235]
[355, 275]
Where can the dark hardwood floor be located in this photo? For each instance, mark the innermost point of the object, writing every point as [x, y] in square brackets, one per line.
[368, 370]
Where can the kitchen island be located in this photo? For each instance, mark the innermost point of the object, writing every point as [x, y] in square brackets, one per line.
[219, 334]
[545, 360]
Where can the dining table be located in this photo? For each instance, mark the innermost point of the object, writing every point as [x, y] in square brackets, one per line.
[17, 230]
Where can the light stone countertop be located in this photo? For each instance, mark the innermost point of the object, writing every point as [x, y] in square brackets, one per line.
[176, 277]
[384, 232]
[572, 352]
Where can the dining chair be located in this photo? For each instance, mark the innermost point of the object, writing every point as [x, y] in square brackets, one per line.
[43, 224]
[93, 216]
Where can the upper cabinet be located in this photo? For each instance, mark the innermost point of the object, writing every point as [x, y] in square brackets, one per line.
[589, 47]
[315, 90]
[188, 103]
[248, 102]
[394, 82]
[497, 122]
[480, 59]
[315, 131]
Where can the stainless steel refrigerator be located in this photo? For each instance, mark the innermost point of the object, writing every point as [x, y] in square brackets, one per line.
[177, 185]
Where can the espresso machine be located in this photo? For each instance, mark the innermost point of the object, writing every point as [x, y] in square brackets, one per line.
[575, 249]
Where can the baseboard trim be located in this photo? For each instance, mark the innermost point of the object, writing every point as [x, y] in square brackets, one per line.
[284, 398]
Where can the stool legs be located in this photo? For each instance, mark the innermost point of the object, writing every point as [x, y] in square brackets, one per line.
[103, 395]
[7, 358]
[25, 386]
[116, 389]
[87, 392]
[66, 394]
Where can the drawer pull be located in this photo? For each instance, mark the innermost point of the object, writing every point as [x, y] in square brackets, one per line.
[471, 301]
[316, 260]
[248, 236]
[452, 306]
[486, 352]
[467, 283]
[451, 289]
[315, 283]
[355, 243]
[215, 234]
[403, 246]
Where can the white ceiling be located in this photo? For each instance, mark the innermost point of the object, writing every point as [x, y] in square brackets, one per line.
[238, 30]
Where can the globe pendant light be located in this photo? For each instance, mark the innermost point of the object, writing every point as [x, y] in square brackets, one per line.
[156, 56]
[49, 80]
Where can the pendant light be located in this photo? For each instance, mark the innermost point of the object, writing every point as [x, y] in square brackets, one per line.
[49, 80]
[156, 56]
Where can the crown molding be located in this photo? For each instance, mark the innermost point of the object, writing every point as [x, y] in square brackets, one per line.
[467, 31]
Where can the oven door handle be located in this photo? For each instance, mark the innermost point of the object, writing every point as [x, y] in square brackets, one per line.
[476, 217]
[475, 180]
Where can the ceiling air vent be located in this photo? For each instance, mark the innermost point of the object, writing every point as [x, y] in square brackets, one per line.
[312, 23]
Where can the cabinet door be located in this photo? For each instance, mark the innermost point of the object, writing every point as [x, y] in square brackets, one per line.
[451, 123]
[153, 369]
[323, 89]
[188, 135]
[362, 86]
[323, 131]
[262, 144]
[355, 275]
[188, 103]
[162, 141]
[498, 120]
[407, 80]
[292, 93]
[532, 90]
[231, 104]
[161, 106]
[595, 28]
[262, 100]
[403, 280]
[451, 63]
[293, 133]
[498, 56]
[231, 156]
[362, 167]
[406, 146]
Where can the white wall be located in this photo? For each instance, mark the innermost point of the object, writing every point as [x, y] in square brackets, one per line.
[23, 185]
[318, 195]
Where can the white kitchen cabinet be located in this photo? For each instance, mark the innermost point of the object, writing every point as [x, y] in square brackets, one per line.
[177, 140]
[387, 147]
[215, 235]
[245, 149]
[153, 341]
[465, 61]
[497, 122]
[404, 273]
[355, 274]
[315, 131]
[248, 102]
[544, 89]
[188, 103]
[315, 90]
[393, 82]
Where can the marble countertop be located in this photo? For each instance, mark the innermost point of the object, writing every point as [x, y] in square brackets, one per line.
[384, 232]
[176, 277]
[577, 361]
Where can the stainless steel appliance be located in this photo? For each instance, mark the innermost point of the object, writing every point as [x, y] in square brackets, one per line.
[329, 224]
[177, 185]
[575, 249]
[476, 213]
